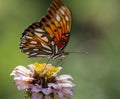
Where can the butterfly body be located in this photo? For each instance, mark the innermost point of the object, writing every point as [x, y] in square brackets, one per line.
[49, 36]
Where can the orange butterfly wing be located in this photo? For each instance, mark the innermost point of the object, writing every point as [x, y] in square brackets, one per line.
[49, 36]
[58, 24]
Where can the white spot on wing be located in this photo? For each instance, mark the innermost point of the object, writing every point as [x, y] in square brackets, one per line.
[39, 55]
[57, 17]
[35, 49]
[66, 17]
[25, 48]
[21, 44]
[47, 51]
[62, 11]
[38, 34]
[45, 46]
[56, 49]
[27, 53]
[33, 42]
[32, 54]
[52, 42]
[28, 37]
[44, 38]
[39, 30]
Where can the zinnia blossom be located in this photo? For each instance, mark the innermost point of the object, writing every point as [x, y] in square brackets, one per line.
[40, 81]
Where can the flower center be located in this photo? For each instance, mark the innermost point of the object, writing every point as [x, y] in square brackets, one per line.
[46, 70]
[44, 74]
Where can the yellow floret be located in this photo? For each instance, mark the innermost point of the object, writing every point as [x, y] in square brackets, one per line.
[46, 69]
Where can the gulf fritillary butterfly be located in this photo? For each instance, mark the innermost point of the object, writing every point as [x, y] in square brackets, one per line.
[49, 36]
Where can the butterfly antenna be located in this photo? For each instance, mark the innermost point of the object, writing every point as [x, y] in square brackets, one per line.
[85, 53]
[59, 62]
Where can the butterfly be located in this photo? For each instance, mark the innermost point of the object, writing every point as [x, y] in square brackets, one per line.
[49, 36]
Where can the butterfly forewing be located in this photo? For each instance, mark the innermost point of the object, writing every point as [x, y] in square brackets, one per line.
[49, 36]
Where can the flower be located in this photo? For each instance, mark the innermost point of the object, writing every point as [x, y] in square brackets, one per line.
[40, 81]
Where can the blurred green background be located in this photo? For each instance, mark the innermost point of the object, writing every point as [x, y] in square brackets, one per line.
[95, 29]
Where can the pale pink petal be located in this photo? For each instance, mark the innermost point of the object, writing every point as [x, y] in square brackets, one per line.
[31, 68]
[20, 70]
[67, 92]
[64, 77]
[55, 86]
[21, 85]
[23, 78]
[62, 87]
[66, 85]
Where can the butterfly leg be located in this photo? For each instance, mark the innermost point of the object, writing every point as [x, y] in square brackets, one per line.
[46, 63]
[59, 62]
